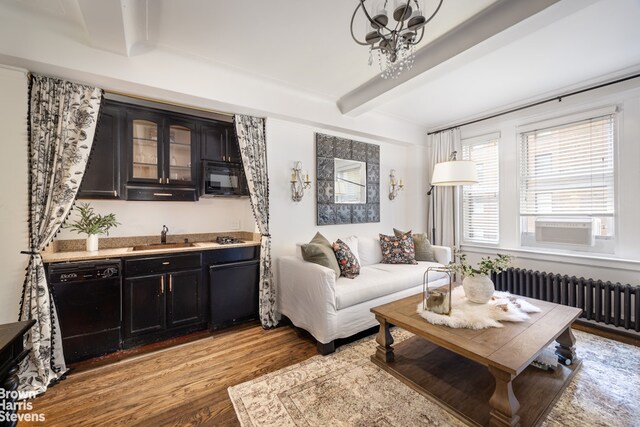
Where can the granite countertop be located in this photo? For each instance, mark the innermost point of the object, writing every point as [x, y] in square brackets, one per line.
[73, 250]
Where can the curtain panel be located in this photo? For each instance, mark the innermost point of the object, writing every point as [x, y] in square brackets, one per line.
[441, 145]
[62, 123]
[253, 147]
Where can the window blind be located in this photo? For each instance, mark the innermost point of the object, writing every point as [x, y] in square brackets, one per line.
[480, 202]
[568, 170]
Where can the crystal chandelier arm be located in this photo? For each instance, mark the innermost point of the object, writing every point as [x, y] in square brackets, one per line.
[353, 17]
[370, 19]
[421, 36]
[400, 23]
[433, 14]
[427, 21]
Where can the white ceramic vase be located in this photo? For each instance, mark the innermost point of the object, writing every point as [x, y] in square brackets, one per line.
[92, 242]
[478, 289]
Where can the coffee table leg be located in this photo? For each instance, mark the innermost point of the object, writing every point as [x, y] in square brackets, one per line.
[566, 348]
[504, 405]
[384, 351]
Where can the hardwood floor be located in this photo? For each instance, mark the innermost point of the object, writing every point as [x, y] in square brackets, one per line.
[184, 385]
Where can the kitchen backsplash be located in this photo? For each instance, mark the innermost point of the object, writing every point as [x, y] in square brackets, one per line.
[59, 245]
[147, 218]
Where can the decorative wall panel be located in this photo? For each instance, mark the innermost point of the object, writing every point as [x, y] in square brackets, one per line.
[328, 148]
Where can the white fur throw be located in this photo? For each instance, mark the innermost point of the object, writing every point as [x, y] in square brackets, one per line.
[465, 314]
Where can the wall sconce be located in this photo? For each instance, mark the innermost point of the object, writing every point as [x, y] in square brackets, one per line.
[394, 185]
[298, 185]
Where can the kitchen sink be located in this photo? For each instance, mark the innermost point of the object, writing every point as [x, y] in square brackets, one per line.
[162, 246]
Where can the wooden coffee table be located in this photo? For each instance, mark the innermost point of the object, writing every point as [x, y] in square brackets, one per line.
[479, 373]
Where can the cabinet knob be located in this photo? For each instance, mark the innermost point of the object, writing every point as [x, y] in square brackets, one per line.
[159, 180]
[163, 194]
[115, 193]
[166, 263]
[162, 284]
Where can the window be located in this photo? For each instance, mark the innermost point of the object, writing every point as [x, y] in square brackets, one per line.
[480, 208]
[567, 185]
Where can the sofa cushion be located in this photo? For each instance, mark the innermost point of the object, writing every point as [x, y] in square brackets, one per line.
[369, 251]
[424, 251]
[319, 251]
[378, 280]
[349, 265]
[398, 250]
[352, 242]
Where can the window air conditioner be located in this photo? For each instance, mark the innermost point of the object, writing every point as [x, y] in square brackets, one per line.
[572, 231]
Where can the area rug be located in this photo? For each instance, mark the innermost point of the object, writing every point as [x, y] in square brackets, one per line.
[347, 389]
[503, 307]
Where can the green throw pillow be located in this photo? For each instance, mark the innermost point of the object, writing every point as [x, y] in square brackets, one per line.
[424, 251]
[319, 251]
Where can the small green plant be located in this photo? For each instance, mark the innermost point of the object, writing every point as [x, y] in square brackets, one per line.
[484, 267]
[91, 223]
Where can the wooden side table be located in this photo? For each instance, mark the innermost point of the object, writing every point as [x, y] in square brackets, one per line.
[11, 354]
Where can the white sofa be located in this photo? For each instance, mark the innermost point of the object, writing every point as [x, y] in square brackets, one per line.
[329, 308]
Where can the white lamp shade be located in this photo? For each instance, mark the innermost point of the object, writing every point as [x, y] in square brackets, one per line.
[456, 172]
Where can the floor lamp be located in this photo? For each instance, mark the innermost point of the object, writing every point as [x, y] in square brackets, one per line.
[451, 173]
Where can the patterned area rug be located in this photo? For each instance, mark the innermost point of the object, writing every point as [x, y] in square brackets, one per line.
[347, 389]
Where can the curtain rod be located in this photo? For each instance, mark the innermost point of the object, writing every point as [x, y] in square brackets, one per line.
[535, 104]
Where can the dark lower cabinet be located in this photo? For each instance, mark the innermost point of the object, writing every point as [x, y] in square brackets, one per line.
[168, 303]
[233, 292]
[144, 310]
[183, 301]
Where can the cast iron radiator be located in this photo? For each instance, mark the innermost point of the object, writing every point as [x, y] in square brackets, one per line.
[613, 304]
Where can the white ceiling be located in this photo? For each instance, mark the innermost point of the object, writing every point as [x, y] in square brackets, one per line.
[306, 45]
[568, 45]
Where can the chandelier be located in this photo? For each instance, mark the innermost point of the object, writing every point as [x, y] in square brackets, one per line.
[393, 43]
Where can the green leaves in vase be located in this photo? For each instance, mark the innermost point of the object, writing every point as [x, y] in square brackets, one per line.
[90, 222]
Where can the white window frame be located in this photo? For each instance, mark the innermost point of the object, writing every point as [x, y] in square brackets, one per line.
[611, 249]
[481, 139]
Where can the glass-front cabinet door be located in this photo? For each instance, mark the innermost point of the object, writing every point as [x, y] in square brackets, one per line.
[146, 149]
[180, 158]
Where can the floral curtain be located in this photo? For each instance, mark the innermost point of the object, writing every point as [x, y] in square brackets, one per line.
[253, 146]
[62, 123]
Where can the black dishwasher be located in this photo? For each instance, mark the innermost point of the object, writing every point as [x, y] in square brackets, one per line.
[88, 301]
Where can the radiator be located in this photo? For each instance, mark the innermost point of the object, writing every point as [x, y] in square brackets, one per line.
[609, 303]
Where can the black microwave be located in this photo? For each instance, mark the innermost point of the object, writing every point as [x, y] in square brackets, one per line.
[223, 179]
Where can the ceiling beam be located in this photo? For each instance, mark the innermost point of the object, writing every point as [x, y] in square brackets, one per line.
[117, 26]
[494, 19]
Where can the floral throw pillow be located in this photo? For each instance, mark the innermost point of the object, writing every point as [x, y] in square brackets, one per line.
[398, 250]
[348, 263]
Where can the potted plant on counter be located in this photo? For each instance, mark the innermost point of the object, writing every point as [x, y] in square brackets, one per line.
[92, 224]
[476, 282]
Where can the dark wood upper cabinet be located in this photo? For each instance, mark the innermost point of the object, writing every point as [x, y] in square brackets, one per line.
[219, 142]
[161, 156]
[144, 152]
[102, 176]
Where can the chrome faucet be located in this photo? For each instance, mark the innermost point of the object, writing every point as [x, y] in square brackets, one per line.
[163, 234]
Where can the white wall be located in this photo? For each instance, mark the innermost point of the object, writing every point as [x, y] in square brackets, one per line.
[147, 218]
[624, 266]
[13, 198]
[295, 222]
